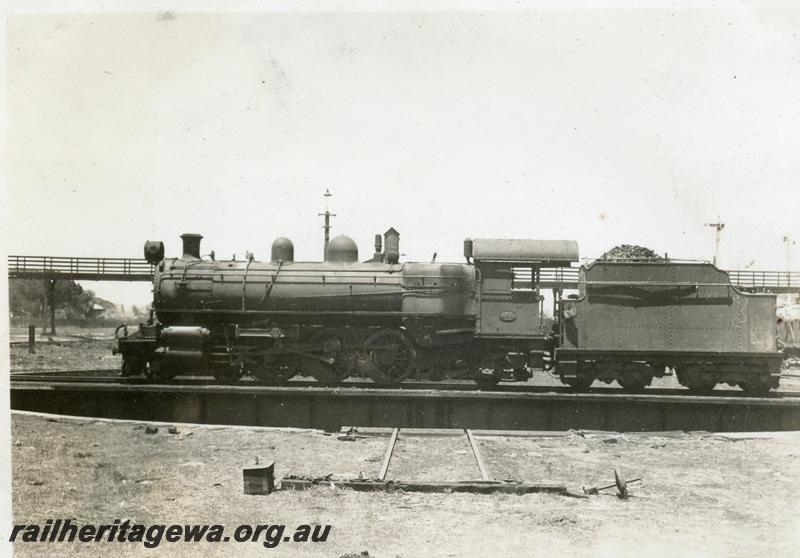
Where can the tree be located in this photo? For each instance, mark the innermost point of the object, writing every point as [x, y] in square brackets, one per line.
[26, 298]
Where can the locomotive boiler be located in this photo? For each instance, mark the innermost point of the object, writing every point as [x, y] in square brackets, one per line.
[380, 318]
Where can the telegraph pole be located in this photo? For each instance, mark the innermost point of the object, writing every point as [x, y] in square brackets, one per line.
[718, 226]
[327, 226]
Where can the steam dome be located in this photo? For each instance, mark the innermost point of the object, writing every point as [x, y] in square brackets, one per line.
[282, 250]
[342, 249]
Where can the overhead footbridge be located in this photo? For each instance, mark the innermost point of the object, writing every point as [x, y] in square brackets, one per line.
[137, 269]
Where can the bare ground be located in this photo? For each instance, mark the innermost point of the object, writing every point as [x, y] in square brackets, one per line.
[65, 355]
[702, 495]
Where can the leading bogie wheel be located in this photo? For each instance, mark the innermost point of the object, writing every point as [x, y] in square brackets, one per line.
[227, 373]
[134, 367]
[276, 369]
[155, 371]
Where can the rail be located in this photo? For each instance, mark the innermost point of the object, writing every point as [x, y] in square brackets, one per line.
[87, 269]
[557, 277]
[771, 281]
[745, 280]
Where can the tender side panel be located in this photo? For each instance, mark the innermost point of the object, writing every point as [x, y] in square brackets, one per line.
[667, 307]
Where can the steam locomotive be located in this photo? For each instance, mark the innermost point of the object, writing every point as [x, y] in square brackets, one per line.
[482, 320]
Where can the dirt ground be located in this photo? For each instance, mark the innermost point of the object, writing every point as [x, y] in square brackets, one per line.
[73, 348]
[65, 355]
[62, 332]
[701, 495]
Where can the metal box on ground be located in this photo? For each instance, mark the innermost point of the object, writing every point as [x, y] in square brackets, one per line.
[259, 479]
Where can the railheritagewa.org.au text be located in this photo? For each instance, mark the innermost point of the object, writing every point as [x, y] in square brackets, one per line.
[151, 536]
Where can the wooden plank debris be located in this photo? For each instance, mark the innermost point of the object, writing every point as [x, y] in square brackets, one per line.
[477, 487]
[476, 452]
[388, 456]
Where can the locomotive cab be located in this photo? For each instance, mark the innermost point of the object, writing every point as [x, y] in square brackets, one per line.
[508, 275]
[509, 303]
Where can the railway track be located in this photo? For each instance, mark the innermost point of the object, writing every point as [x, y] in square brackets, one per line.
[308, 405]
[111, 376]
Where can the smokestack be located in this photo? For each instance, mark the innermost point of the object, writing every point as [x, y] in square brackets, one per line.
[191, 245]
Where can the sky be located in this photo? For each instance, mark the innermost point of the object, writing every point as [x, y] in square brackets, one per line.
[605, 126]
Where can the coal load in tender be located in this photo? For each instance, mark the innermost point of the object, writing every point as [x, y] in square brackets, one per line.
[630, 252]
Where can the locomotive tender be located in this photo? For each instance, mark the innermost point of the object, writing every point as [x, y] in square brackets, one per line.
[633, 320]
[482, 319]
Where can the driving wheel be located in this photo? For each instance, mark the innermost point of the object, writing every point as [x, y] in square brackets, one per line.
[388, 356]
[332, 359]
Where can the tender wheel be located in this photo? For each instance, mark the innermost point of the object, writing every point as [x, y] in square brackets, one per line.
[706, 386]
[695, 379]
[580, 383]
[756, 386]
[332, 345]
[632, 385]
[276, 370]
[635, 377]
[388, 356]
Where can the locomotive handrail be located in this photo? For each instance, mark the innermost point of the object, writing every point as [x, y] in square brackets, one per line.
[665, 283]
[765, 278]
[774, 281]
